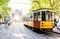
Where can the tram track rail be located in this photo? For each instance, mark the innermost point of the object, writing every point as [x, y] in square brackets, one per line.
[48, 37]
[25, 33]
[38, 34]
[33, 34]
[10, 33]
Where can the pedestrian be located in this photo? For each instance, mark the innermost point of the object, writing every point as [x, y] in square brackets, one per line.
[55, 23]
[8, 23]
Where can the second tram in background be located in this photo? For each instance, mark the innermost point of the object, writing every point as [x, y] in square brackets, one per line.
[42, 19]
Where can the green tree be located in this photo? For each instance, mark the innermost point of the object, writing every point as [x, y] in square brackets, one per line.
[40, 4]
[53, 4]
[3, 2]
[4, 9]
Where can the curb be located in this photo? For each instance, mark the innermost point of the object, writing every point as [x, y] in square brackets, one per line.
[56, 32]
[58, 28]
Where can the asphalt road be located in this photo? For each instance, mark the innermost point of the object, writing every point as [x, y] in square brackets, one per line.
[19, 31]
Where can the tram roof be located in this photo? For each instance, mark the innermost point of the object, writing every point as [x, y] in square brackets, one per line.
[43, 9]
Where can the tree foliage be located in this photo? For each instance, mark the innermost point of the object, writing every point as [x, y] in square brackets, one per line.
[3, 2]
[53, 4]
[4, 9]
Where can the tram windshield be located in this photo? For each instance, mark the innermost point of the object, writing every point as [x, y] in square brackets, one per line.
[43, 16]
[47, 16]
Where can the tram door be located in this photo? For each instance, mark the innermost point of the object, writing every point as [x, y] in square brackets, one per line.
[36, 20]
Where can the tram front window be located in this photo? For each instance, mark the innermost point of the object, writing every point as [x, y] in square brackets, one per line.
[49, 16]
[43, 16]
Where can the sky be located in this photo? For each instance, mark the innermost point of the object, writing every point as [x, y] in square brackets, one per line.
[23, 5]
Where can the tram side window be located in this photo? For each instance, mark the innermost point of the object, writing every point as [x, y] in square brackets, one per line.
[28, 19]
[31, 18]
[37, 16]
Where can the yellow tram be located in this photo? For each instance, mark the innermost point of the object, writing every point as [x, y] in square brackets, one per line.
[42, 19]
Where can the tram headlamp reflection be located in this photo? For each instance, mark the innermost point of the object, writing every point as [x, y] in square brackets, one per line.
[39, 19]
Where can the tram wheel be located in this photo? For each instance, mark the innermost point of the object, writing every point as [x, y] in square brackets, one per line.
[34, 29]
[51, 30]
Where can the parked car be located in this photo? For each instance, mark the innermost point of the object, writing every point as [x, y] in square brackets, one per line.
[9, 22]
[58, 24]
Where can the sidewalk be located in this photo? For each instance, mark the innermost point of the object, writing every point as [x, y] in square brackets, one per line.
[2, 26]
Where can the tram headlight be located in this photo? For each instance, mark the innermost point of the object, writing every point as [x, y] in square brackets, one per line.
[42, 23]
